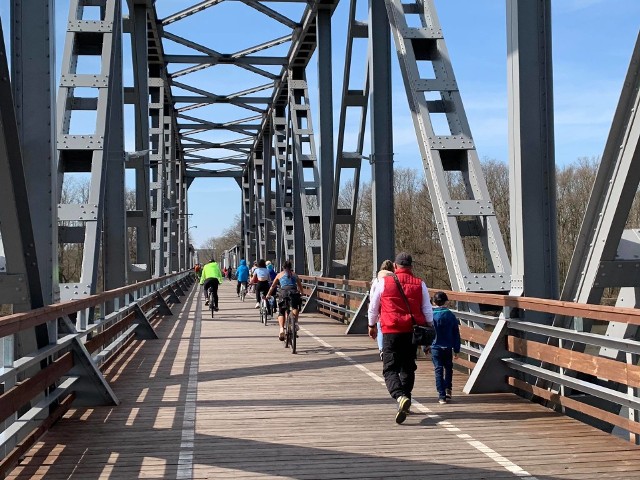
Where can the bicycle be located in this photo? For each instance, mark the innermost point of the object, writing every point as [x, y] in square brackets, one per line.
[290, 327]
[211, 304]
[243, 291]
[264, 309]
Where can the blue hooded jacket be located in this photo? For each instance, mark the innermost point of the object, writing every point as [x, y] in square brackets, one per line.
[242, 273]
[272, 272]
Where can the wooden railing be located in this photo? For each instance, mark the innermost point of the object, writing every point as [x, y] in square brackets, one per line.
[41, 386]
[343, 300]
[585, 374]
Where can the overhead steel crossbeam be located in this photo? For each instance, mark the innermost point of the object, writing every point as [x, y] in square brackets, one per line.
[207, 57]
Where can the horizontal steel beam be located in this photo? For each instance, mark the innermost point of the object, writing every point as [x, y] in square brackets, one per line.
[207, 60]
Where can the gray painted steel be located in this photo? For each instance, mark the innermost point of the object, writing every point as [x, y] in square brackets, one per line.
[325, 111]
[306, 178]
[613, 192]
[32, 75]
[348, 163]
[532, 185]
[86, 152]
[140, 162]
[446, 145]
[384, 238]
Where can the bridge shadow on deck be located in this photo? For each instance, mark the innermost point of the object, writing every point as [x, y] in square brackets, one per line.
[144, 436]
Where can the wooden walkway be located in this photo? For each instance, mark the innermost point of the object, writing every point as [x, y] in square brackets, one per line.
[223, 399]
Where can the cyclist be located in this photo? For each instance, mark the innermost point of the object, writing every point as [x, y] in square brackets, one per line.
[242, 275]
[262, 281]
[290, 287]
[211, 277]
[272, 272]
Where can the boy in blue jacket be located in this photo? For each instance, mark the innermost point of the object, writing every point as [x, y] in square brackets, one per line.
[445, 347]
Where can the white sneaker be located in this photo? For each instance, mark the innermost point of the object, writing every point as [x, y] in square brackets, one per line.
[257, 305]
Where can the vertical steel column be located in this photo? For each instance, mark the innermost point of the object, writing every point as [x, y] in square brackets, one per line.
[115, 239]
[253, 225]
[258, 189]
[532, 188]
[181, 229]
[141, 221]
[269, 213]
[384, 237]
[32, 75]
[21, 281]
[157, 184]
[85, 152]
[246, 212]
[348, 163]
[171, 213]
[325, 95]
[284, 187]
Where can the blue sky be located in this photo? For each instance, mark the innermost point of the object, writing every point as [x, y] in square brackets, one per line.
[592, 44]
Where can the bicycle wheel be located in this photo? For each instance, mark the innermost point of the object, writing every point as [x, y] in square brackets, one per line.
[243, 292]
[294, 333]
[262, 319]
[263, 307]
[211, 305]
[287, 331]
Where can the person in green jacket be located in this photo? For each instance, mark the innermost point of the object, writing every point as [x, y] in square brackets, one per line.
[210, 278]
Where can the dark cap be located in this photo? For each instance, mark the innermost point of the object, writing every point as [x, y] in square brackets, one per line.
[440, 298]
[404, 259]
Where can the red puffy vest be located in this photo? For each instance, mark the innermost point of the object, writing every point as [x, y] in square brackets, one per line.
[394, 316]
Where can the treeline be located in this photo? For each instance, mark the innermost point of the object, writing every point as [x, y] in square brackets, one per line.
[415, 226]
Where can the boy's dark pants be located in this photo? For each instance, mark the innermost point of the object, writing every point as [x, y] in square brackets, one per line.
[398, 363]
[443, 368]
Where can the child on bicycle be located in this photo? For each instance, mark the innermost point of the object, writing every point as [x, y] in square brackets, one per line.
[289, 288]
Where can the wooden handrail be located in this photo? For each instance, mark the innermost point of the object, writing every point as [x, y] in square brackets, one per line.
[20, 321]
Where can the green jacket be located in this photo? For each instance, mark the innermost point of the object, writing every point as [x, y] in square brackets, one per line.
[210, 270]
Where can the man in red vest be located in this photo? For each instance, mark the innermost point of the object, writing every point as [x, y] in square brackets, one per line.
[395, 311]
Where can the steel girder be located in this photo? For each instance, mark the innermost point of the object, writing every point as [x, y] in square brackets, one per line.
[32, 75]
[158, 182]
[348, 163]
[605, 255]
[140, 218]
[20, 282]
[459, 221]
[87, 153]
[306, 199]
[532, 161]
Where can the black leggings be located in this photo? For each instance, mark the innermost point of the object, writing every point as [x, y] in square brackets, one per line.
[211, 283]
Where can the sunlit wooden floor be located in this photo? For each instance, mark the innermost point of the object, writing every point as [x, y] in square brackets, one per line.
[221, 398]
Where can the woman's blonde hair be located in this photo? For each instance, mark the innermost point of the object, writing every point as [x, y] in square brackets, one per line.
[387, 265]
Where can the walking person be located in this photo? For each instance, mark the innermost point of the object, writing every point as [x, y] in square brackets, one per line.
[398, 301]
[386, 268]
[445, 347]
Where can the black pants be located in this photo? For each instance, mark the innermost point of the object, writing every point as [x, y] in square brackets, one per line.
[211, 283]
[238, 287]
[398, 363]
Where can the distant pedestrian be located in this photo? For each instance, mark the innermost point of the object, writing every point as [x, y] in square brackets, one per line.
[229, 273]
[399, 300]
[445, 347]
[386, 268]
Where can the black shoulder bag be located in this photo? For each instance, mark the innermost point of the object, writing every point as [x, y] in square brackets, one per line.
[421, 335]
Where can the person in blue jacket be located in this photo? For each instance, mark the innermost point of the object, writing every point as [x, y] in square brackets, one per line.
[445, 347]
[242, 275]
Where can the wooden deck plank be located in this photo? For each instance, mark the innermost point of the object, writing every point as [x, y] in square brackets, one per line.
[242, 406]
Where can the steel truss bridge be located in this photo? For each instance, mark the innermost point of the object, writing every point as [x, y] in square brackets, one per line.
[55, 130]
